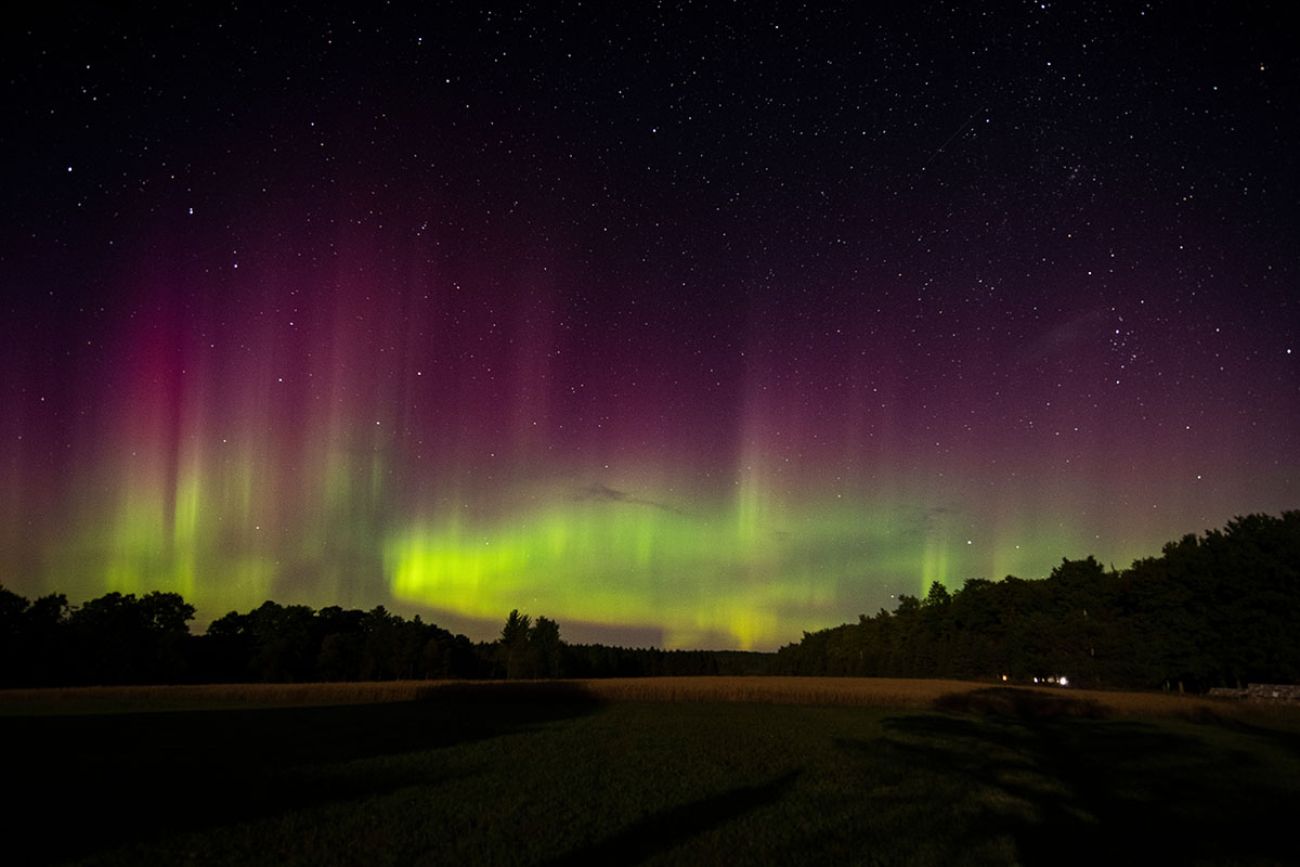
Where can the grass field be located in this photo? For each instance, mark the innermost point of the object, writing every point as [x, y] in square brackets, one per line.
[696, 771]
[861, 691]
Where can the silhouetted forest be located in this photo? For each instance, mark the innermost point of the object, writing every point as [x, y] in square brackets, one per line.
[1221, 609]
[125, 639]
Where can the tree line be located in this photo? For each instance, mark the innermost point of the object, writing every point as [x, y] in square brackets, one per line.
[124, 639]
[1221, 609]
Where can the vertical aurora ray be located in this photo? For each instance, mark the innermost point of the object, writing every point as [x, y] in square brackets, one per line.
[179, 503]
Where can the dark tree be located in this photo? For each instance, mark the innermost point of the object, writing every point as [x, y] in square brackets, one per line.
[544, 642]
[1214, 610]
[515, 653]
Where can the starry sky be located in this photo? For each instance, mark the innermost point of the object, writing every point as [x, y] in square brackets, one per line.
[684, 324]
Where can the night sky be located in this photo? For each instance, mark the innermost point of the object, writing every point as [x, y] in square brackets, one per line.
[695, 325]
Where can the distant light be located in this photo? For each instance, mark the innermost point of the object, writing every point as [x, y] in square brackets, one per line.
[1004, 678]
[1063, 680]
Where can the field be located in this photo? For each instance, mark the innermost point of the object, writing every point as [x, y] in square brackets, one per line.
[697, 771]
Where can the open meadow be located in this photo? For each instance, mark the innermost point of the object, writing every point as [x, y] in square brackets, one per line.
[672, 770]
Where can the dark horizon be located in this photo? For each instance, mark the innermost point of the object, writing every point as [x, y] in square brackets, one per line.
[1210, 611]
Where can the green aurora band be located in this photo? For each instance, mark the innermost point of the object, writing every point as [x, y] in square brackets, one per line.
[751, 570]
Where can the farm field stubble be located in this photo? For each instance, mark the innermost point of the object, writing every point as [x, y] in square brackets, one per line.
[699, 771]
[897, 693]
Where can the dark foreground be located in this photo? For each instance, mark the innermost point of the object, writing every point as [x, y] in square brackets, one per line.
[549, 775]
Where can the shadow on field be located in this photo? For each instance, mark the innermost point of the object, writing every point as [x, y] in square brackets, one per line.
[89, 783]
[1070, 789]
[1288, 740]
[1024, 704]
[662, 831]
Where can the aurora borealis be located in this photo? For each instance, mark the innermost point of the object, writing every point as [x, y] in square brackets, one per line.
[693, 326]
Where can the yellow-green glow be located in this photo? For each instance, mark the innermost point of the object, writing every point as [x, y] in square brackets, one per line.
[750, 564]
[732, 575]
[195, 530]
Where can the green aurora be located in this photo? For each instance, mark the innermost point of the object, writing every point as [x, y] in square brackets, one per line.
[751, 569]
